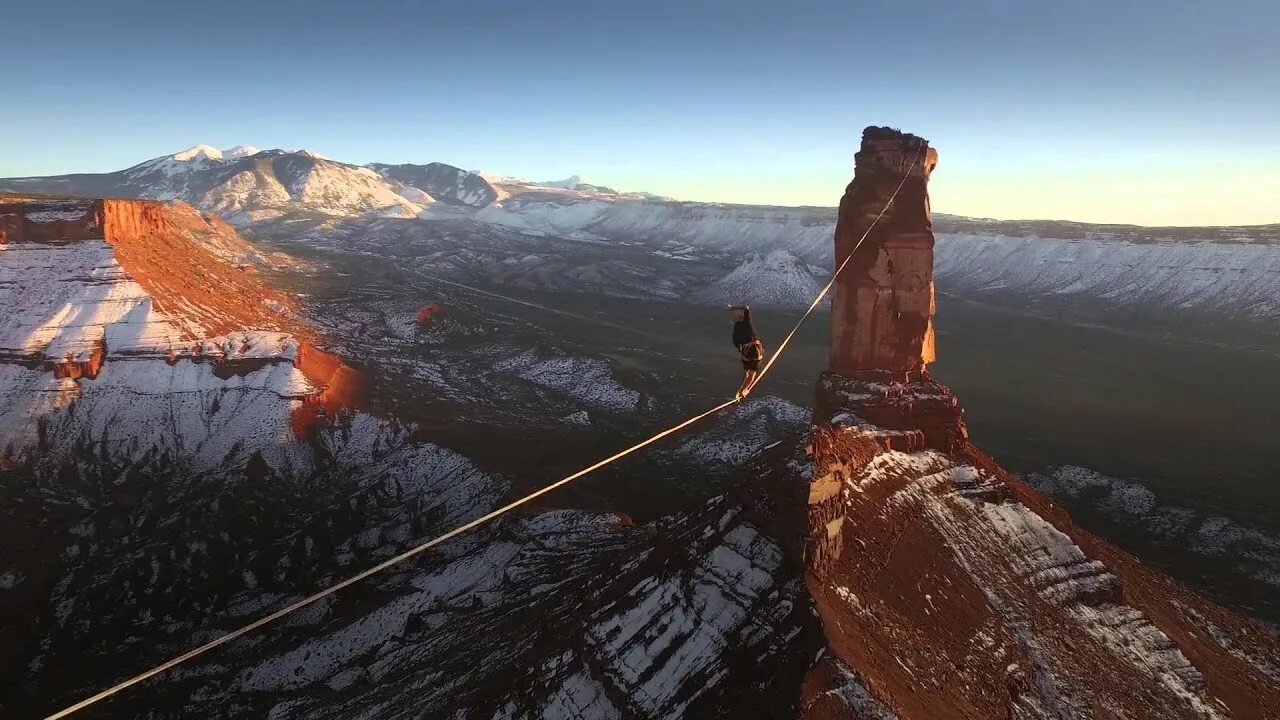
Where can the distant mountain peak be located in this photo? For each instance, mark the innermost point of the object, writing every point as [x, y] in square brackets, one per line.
[570, 183]
[240, 151]
[197, 152]
[441, 181]
[209, 152]
[499, 178]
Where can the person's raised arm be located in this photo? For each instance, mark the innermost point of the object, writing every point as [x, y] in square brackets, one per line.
[746, 316]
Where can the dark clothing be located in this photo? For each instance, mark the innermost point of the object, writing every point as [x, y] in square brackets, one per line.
[747, 342]
[743, 330]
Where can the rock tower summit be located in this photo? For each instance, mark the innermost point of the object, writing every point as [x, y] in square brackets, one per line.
[882, 314]
[882, 337]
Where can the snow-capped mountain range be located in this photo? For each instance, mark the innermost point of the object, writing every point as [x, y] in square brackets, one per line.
[1231, 271]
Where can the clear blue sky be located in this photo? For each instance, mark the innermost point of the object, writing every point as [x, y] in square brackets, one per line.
[1150, 111]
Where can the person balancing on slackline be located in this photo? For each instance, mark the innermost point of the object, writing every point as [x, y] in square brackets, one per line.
[749, 347]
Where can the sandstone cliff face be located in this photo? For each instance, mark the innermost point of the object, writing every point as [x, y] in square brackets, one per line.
[62, 221]
[884, 302]
[51, 222]
[951, 589]
[149, 286]
[946, 586]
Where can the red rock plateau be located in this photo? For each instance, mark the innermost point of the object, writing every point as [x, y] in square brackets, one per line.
[946, 586]
[196, 273]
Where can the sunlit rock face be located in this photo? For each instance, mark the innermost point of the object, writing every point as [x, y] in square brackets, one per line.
[882, 336]
[946, 586]
[884, 304]
[129, 308]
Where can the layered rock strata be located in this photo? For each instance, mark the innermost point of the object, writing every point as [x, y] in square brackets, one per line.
[86, 283]
[882, 310]
[946, 586]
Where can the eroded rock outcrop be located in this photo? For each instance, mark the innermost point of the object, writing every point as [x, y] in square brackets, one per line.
[87, 283]
[882, 337]
[946, 586]
[52, 222]
[883, 307]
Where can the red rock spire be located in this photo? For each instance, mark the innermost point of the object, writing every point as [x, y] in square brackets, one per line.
[882, 311]
[882, 314]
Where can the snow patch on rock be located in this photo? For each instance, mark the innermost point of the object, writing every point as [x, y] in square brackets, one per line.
[1256, 553]
[742, 432]
[1036, 576]
[587, 380]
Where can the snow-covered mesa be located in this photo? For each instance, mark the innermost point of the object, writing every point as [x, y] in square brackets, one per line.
[1232, 278]
[143, 376]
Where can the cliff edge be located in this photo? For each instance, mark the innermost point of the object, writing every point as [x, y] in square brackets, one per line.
[155, 288]
[946, 586]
